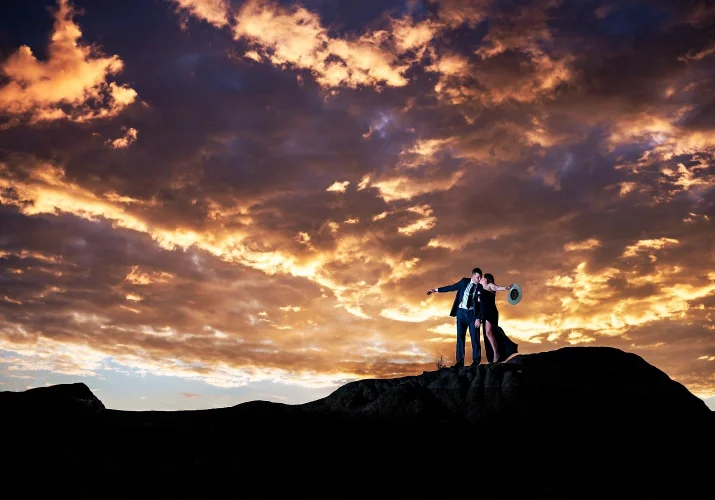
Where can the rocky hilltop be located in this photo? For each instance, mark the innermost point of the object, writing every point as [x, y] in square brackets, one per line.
[577, 422]
[579, 383]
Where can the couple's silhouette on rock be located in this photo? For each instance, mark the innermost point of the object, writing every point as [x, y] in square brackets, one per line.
[475, 307]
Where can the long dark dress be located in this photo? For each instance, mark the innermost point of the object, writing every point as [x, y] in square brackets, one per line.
[488, 312]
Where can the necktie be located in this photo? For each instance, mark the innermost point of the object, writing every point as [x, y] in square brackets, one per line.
[470, 297]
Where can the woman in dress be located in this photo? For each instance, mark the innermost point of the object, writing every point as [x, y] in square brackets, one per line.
[501, 346]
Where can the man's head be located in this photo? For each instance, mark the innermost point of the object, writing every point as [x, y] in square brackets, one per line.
[476, 275]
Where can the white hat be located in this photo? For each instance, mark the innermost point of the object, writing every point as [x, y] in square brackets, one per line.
[515, 295]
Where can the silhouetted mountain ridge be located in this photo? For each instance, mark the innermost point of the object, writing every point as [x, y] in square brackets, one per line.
[571, 410]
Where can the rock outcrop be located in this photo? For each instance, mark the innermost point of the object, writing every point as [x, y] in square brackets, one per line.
[573, 383]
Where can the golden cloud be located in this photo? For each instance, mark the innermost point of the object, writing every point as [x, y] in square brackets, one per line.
[48, 191]
[252, 54]
[588, 305]
[661, 131]
[645, 245]
[411, 36]
[665, 140]
[130, 135]
[582, 245]
[427, 221]
[215, 12]
[455, 13]
[74, 75]
[137, 277]
[461, 81]
[689, 178]
[593, 307]
[456, 83]
[443, 329]
[427, 147]
[296, 37]
[24, 254]
[412, 314]
[338, 187]
[402, 187]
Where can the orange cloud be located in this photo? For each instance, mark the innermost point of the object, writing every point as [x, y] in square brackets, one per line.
[50, 192]
[130, 135]
[456, 83]
[296, 37]
[402, 187]
[645, 245]
[454, 13]
[215, 12]
[34, 255]
[665, 140]
[582, 245]
[520, 32]
[427, 220]
[74, 76]
[338, 187]
[591, 306]
[356, 262]
[137, 277]
[427, 147]
[411, 36]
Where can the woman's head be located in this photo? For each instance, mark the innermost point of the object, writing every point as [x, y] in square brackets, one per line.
[489, 278]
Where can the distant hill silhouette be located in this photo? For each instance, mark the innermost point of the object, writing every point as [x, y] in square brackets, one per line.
[578, 422]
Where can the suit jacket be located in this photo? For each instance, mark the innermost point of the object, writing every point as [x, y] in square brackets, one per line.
[460, 286]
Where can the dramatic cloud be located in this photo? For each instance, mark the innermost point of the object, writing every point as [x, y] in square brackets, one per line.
[296, 37]
[72, 83]
[300, 173]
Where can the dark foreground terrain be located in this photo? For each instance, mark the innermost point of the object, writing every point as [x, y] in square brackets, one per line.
[580, 422]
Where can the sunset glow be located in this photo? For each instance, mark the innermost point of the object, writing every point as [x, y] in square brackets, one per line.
[249, 200]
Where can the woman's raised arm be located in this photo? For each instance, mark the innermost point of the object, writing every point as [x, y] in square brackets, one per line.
[496, 288]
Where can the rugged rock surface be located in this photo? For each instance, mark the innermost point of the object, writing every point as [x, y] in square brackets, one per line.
[582, 422]
[582, 383]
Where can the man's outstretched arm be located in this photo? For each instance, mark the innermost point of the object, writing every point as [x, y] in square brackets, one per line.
[448, 288]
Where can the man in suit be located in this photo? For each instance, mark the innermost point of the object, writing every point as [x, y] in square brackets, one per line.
[466, 309]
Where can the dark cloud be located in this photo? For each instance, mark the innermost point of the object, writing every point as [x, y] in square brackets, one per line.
[283, 205]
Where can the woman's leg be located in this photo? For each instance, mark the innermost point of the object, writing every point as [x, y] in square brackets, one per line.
[492, 340]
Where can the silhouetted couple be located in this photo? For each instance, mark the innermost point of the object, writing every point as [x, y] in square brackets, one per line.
[475, 305]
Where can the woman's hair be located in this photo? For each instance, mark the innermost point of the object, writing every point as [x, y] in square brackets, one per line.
[489, 277]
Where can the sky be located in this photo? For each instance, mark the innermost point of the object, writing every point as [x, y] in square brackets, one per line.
[207, 202]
